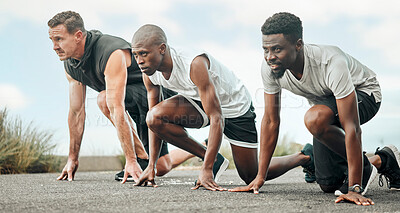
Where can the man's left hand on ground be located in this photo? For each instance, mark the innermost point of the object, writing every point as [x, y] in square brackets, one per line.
[254, 186]
[207, 181]
[355, 198]
[147, 177]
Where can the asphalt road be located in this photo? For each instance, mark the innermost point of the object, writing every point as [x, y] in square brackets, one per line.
[99, 192]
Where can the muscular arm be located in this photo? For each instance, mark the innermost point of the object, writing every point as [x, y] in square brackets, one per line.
[269, 131]
[348, 116]
[269, 137]
[76, 116]
[76, 125]
[116, 77]
[153, 94]
[209, 99]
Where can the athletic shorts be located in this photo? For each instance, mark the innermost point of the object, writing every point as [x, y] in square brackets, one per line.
[240, 131]
[331, 168]
[137, 107]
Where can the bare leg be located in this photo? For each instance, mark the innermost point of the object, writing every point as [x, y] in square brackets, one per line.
[168, 119]
[246, 162]
[318, 121]
[376, 161]
[280, 165]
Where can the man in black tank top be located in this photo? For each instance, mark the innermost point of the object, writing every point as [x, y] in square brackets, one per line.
[104, 63]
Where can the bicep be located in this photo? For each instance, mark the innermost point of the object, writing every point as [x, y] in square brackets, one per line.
[116, 77]
[199, 76]
[77, 93]
[348, 110]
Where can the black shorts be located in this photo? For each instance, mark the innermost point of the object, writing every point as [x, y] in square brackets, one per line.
[240, 131]
[331, 168]
[137, 107]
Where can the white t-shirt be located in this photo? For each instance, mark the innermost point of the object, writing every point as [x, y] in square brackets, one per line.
[327, 71]
[233, 95]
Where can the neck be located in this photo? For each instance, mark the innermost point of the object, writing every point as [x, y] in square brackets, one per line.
[166, 64]
[80, 50]
[298, 66]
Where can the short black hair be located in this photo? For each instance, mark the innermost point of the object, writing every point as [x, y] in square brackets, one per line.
[72, 21]
[284, 23]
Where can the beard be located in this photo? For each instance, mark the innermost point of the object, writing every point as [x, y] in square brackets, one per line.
[279, 74]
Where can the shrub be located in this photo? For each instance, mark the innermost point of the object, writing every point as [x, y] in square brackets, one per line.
[25, 150]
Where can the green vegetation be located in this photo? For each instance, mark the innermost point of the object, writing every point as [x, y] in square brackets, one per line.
[25, 149]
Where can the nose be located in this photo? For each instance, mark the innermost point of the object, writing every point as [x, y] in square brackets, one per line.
[55, 46]
[270, 56]
[139, 60]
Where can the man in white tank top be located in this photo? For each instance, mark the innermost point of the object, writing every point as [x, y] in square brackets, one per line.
[208, 94]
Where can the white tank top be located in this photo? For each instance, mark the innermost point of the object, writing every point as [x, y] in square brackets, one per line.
[233, 95]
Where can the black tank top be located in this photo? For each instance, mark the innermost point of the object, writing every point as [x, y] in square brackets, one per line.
[90, 69]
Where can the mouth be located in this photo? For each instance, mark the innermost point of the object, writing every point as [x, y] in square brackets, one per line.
[274, 66]
[143, 69]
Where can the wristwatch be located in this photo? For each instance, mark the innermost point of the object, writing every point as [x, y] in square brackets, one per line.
[356, 188]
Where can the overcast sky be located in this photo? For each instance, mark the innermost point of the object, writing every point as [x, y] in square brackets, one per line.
[33, 85]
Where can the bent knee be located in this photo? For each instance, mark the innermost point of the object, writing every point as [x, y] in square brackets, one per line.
[164, 165]
[154, 118]
[317, 119]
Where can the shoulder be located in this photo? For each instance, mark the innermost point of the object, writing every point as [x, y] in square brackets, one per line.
[324, 54]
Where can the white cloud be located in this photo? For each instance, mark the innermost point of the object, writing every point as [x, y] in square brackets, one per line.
[12, 97]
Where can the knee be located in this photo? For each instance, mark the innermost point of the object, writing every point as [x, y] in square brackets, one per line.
[316, 121]
[329, 188]
[164, 165]
[153, 119]
[102, 101]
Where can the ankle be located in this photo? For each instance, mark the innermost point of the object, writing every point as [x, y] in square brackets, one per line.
[304, 159]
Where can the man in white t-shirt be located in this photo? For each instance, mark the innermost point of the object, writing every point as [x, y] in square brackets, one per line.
[343, 93]
[208, 94]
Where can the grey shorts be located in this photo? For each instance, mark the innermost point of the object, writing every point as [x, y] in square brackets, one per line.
[331, 168]
[240, 131]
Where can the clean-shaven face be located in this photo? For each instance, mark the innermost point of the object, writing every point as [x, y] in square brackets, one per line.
[147, 56]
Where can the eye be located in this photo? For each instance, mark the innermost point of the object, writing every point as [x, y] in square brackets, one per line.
[266, 50]
[278, 49]
[143, 54]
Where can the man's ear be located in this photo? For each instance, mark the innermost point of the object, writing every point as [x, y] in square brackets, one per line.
[78, 36]
[163, 48]
[299, 44]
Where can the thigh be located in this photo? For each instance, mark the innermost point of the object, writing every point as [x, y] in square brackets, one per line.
[178, 110]
[246, 162]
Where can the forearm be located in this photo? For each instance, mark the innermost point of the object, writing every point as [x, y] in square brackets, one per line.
[269, 138]
[76, 124]
[124, 133]
[354, 156]
[154, 149]
[214, 140]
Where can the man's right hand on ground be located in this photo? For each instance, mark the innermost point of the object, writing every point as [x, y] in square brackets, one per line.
[69, 170]
[133, 169]
[146, 177]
